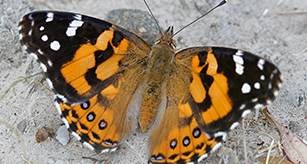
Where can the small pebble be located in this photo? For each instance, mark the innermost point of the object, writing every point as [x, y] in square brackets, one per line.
[22, 125]
[62, 135]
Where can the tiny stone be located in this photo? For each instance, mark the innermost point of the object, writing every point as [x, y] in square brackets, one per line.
[62, 135]
[22, 125]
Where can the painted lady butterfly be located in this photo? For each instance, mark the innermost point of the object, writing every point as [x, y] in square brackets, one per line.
[108, 81]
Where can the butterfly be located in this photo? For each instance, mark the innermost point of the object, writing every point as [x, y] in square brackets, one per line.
[108, 81]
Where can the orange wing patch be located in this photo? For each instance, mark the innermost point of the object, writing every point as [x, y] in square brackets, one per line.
[216, 90]
[180, 139]
[86, 58]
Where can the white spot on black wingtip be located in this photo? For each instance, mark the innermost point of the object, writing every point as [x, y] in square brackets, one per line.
[269, 86]
[260, 63]
[276, 93]
[245, 113]
[239, 69]
[237, 58]
[44, 38]
[55, 45]
[50, 17]
[73, 26]
[246, 88]
[40, 52]
[242, 107]
[257, 85]
[30, 32]
[255, 99]
[30, 17]
[78, 17]
[32, 23]
[49, 63]
[262, 77]
[19, 27]
[41, 28]
[239, 53]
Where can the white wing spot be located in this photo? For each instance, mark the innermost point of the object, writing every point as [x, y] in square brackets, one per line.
[257, 85]
[239, 53]
[40, 51]
[242, 107]
[238, 59]
[44, 38]
[78, 17]
[262, 77]
[55, 45]
[32, 23]
[30, 33]
[50, 17]
[73, 26]
[246, 88]
[50, 63]
[255, 100]
[41, 28]
[270, 86]
[260, 64]
[239, 69]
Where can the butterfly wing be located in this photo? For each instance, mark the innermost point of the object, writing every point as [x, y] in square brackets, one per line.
[80, 55]
[218, 87]
[94, 67]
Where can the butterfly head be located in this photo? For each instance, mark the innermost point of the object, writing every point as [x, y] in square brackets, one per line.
[167, 38]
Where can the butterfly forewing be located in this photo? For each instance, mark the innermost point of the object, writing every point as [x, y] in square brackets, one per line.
[80, 55]
[226, 84]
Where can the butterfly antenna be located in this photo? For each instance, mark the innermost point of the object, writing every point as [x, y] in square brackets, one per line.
[157, 24]
[220, 4]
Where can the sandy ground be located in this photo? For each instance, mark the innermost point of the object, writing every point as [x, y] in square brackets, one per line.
[252, 25]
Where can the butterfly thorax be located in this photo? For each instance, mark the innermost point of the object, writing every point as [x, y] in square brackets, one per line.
[157, 76]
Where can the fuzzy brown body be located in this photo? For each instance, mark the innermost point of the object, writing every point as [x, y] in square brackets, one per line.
[157, 77]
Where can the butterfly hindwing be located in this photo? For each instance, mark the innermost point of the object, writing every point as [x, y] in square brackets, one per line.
[81, 55]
